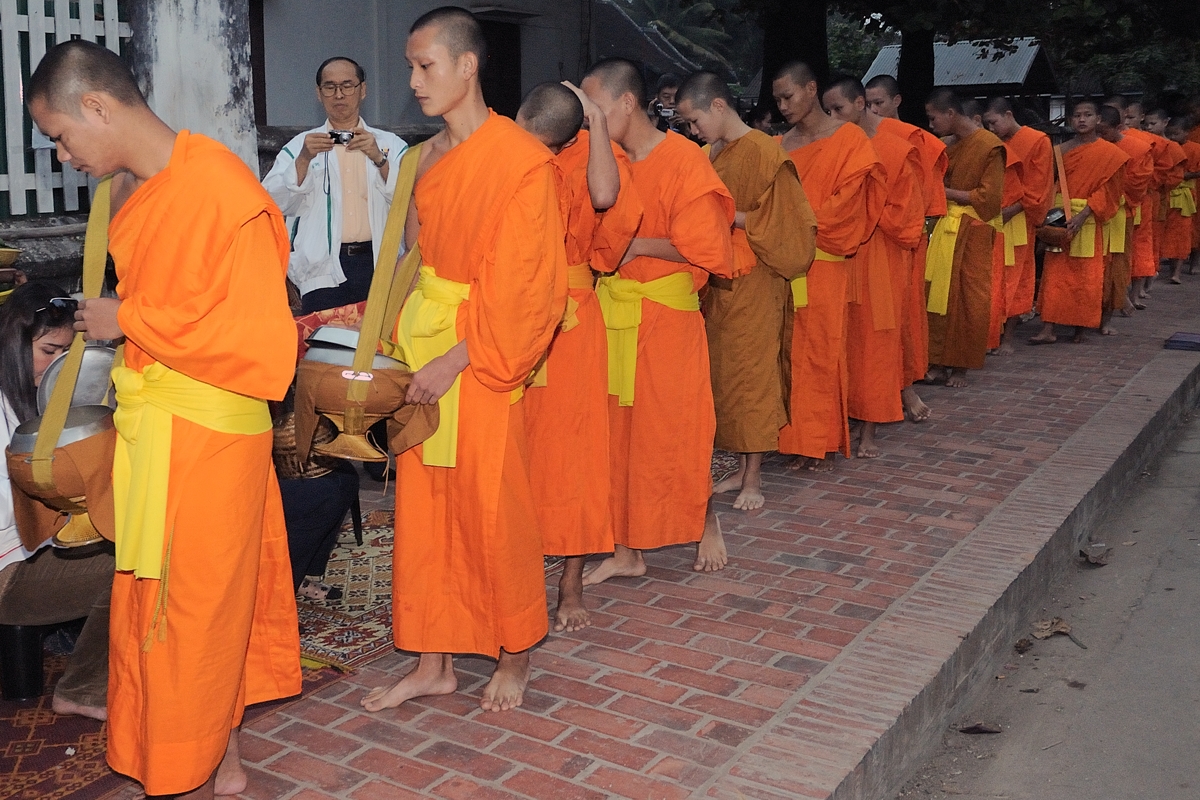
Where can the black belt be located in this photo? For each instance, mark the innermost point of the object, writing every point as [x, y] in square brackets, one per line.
[356, 248]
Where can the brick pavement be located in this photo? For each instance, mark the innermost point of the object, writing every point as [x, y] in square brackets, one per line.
[777, 677]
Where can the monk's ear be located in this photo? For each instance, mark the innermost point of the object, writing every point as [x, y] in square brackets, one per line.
[468, 63]
[569, 142]
[96, 105]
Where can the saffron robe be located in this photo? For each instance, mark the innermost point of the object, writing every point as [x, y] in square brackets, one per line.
[1014, 192]
[1177, 229]
[1192, 150]
[661, 446]
[843, 179]
[914, 328]
[1139, 171]
[201, 253]
[1147, 240]
[567, 419]
[1073, 287]
[958, 338]
[744, 317]
[1037, 179]
[467, 576]
[879, 278]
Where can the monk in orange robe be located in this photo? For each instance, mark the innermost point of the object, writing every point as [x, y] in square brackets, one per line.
[1168, 167]
[1035, 175]
[201, 253]
[1181, 214]
[1073, 279]
[883, 97]
[844, 181]
[567, 413]
[959, 263]
[1010, 202]
[1139, 170]
[468, 571]
[879, 272]
[661, 415]
[773, 243]
[1147, 241]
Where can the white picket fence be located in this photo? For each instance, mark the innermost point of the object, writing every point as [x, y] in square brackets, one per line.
[23, 38]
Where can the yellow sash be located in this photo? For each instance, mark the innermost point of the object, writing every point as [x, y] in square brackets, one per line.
[1016, 234]
[1183, 197]
[1114, 231]
[621, 304]
[1137, 215]
[1084, 243]
[579, 277]
[800, 285]
[939, 260]
[426, 330]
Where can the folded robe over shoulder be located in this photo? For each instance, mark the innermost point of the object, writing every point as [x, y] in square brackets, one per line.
[879, 276]
[1036, 154]
[201, 254]
[843, 179]
[1177, 229]
[661, 446]
[1146, 244]
[1139, 172]
[467, 573]
[1014, 192]
[1192, 150]
[914, 328]
[1073, 287]
[567, 419]
[958, 338]
[744, 318]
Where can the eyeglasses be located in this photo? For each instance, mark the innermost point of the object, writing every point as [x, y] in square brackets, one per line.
[346, 87]
[68, 303]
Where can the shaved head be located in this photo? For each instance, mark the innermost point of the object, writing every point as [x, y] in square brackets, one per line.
[885, 82]
[945, 100]
[850, 87]
[1110, 116]
[72, 69]
[701, 89]
[999, 105]
[1118, 102]
[620, 76]
[457, 30]
[552, 113]
[800, 73]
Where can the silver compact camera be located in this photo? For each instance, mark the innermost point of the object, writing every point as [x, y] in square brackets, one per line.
[341, 137]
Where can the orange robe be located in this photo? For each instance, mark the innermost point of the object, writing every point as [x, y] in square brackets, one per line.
[1037, 179]
[1014, 191]
[1139, 172]
[1073, 287]
[1147, 239]
[661, 446]
[958, 338]
[843, 179]
[567, 419]
[1177, 229]
[201, 254]
[744, 316]
[1192, 150]
[878, 283]
[1164, 166]
[467, 576]
[914, 328]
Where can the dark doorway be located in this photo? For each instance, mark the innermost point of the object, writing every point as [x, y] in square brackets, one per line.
[258, 64]
[501, 76]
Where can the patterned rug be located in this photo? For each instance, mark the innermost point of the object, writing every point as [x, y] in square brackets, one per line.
[45, 756]
[356, 629]
[723, 465]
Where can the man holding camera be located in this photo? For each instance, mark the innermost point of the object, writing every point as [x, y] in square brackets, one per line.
[335, 185]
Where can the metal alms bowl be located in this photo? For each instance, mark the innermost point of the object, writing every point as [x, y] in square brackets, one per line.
[82, 422]
[94, 386]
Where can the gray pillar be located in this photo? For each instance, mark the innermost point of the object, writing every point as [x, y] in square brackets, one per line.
[192, 57]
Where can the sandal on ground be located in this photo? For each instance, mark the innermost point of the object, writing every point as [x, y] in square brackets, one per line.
[313, 589]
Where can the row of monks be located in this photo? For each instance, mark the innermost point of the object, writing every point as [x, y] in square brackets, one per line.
[583, 259]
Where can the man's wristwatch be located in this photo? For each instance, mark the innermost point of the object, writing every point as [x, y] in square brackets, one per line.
[381, 162]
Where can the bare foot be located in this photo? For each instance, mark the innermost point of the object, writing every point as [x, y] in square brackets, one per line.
[820, 465]
[798, 463]
[624, 563]
[506, 690]
[711, 554]
[572, 614]
[867, 447]
[1043, 339]
[231, 776]
[433, 675]
[730, 484]
[935, 375]
[957, 378]
[749, 500]
[1108, 331]
[67, 708]
[1078, 338]
[1005, 348]
[914, 407]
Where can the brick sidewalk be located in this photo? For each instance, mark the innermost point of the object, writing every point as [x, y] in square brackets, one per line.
[693, 685]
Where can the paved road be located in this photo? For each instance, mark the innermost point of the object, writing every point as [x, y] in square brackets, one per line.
[1121, 719]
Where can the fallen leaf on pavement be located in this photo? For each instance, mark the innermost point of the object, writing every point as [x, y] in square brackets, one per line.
[1045, 628]
[1023, 646]
[1129, 543]
[1096, 554]
[980, 727]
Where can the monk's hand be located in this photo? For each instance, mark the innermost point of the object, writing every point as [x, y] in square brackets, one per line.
[1010, 212]
[97, 319]
[14, 276]
[1077, 221]
[364, 142]
[434, 379]
[591, 112]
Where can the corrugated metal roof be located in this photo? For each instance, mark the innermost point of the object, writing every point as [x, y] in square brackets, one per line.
[967, 63]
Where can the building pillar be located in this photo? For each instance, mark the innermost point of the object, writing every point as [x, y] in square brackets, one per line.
[192, 58]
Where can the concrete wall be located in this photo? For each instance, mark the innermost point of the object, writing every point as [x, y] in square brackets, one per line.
[300, 34]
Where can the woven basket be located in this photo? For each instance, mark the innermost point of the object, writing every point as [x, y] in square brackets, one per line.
[287, 463]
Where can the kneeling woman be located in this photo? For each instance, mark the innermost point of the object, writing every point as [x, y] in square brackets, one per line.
[48, 586]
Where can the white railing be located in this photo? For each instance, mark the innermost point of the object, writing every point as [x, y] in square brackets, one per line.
[23, 38]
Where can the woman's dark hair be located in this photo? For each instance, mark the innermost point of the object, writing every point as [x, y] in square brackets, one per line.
[26, 315]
